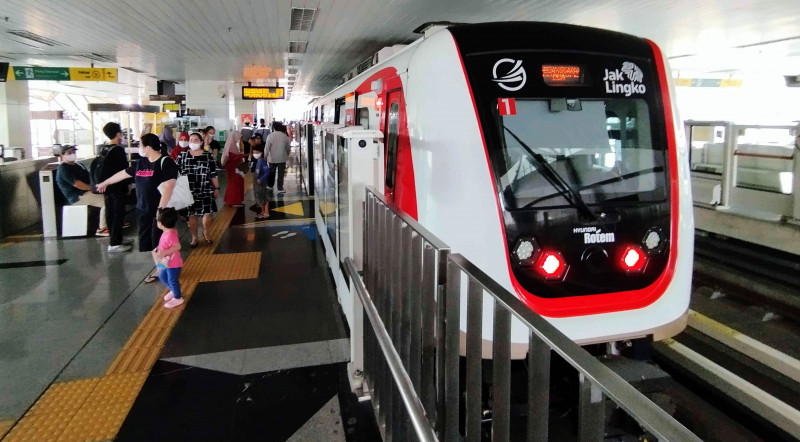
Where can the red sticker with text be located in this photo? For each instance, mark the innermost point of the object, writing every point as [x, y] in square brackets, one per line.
[507, 106]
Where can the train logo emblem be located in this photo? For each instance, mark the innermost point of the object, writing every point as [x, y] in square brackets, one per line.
[514, 79]
[593, 235]
[627, 80]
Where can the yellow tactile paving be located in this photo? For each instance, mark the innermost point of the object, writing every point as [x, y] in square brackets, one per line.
[94, 409]
[5, 426]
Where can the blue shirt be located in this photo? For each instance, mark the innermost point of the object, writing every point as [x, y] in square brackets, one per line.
[262, 170]
[66, 175]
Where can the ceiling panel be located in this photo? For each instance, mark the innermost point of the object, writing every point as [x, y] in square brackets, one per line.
[217, 40]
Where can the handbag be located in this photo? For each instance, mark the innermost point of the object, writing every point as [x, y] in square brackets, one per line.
[181, 194]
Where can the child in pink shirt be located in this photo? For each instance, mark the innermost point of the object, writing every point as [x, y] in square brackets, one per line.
[168, 257]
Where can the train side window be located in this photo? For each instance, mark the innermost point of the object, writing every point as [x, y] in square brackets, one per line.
[391, 144]
[363, 117]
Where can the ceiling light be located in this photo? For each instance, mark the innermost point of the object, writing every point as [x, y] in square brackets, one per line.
[292, 71]
[302, 19]
[294, 62]
[297, 47]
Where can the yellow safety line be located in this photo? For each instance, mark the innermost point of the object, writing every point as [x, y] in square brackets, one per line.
[273, 221]
[94, 409]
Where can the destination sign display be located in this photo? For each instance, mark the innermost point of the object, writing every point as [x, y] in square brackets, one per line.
[561, 75]
[262, 93]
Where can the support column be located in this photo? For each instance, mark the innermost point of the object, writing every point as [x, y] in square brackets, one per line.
[796, 175]
[15, 116]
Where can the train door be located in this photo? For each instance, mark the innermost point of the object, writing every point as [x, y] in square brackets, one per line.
[399, 172]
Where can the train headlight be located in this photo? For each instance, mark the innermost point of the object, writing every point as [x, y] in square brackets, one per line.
[633, 259]
[525, 251]
[653, 240]
[551, 266]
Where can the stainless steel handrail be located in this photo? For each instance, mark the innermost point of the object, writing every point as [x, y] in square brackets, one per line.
[416, 411]
[653, 418]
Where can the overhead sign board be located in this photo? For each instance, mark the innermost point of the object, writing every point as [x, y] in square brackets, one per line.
[262, 93]
[28, 73]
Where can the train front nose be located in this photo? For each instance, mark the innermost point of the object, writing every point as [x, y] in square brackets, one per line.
[596, 260]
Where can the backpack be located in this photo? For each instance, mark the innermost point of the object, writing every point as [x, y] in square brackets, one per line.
[97, 173]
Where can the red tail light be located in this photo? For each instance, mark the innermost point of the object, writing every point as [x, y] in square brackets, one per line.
[551, 265]
[633, 259]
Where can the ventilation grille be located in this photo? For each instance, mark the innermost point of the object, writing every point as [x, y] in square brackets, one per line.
[294, 62]
[302, 19]
[37, 38]
[297, 47]
[292, 71]
[364, 65]
[99, 57]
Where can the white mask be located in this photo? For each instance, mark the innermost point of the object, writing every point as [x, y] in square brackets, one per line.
[70, 158]
[256, 155]
[183, 143]
[142, 153]
[195, 146]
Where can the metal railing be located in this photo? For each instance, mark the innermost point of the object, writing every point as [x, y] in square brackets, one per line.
[412, 368]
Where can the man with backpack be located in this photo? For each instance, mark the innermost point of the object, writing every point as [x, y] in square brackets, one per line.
[111, 160]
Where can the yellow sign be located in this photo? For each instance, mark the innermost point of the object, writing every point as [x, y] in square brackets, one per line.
[262, 93]
[172, 107]
[92, 74]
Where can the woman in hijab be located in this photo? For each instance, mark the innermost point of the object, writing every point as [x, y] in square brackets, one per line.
[231, 160]
[183, 145]
[167, 140]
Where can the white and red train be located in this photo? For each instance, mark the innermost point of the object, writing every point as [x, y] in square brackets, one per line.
[547, 155]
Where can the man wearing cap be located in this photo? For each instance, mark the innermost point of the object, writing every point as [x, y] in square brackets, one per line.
[73, 180]
[115, 194]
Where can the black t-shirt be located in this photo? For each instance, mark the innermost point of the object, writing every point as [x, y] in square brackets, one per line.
[147, 177]
[66, 175]
[116, 160]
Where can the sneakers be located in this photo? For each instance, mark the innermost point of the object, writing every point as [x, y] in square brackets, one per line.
[125, 225]
[127, 242]
[102, 232]
[119, 248]
[174, 302]
[281, 191]
[269, 188]
[168, 296]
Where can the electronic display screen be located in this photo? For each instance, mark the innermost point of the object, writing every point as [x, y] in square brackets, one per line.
[262, 93]
[562, 75]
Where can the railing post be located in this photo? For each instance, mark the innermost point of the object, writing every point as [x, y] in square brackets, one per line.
[451, 353]
[538, 389]
[591, 413]
[429, 318]
[415, 313]
[474, 379]
[501, 367]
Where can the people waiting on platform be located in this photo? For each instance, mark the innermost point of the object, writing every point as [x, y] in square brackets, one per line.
[235, 169]
[200, 168]
[247, 133]
[168, 256]
[73, 180]
[277, 152]
[209, 143]
[262, 130]
[183, 145]
[149, 172]
[260, 176]
[114, 160]
[167, 140]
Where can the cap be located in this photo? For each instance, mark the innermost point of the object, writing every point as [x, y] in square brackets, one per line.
[62, 149]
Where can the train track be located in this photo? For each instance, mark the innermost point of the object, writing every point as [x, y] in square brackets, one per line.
[741, 349]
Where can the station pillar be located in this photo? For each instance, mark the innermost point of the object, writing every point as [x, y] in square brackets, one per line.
[796, 175]
[15, 116]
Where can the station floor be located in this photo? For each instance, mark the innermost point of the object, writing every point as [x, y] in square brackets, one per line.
[257, 352]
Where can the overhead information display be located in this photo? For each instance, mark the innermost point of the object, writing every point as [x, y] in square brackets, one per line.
[27, 73]
[562, 75]
[262, 93]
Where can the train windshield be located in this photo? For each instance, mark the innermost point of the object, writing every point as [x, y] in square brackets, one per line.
[579, 152]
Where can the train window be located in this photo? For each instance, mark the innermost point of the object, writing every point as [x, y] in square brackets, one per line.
[603, 149]
[391, 143]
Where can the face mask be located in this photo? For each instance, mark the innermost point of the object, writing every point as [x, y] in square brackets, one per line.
[256, 155]
[183, 143]
[142, 153]
[70, 158]
[194, 146]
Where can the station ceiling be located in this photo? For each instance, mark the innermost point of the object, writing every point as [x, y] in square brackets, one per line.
[256, 40]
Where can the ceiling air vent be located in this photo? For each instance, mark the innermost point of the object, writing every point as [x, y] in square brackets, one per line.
[297, 47]
[294, 62]
[37, 38]
[99, 57]
[292, 71]
[302, 19]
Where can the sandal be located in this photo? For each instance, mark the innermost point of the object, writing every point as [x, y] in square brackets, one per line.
[150, 278]
[193, 244]
[208, 241]
[260, 216]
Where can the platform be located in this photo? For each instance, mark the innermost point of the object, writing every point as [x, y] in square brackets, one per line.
[258, 351]
[774, 234]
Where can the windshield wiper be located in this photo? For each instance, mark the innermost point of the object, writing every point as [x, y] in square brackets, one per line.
[556, 180]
